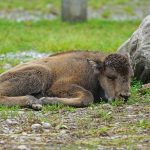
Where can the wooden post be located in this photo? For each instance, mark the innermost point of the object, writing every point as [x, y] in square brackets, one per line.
[74, 10]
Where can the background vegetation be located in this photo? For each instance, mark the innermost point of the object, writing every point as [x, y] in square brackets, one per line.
[53, 36]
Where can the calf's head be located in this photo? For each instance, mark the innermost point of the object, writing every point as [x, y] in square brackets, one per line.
[114, 75]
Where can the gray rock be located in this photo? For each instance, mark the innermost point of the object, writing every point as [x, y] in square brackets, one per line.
[46, 125]
[36, 127]
[46, 130]
[11, 122]
[63, 134]
[6, 131]
[38, 139]
[107, 106]
[24, 133]
[138, 47]
[2, 142]
[129, 109]
[23, 147]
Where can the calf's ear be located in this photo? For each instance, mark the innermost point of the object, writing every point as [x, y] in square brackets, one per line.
[127, 55]
[96, 65]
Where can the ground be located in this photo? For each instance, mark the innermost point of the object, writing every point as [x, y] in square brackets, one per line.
[29, 31]
[100, 126]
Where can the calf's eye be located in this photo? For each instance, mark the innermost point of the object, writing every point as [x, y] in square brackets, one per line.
[111, 77]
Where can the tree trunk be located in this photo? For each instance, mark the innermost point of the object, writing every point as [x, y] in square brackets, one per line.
[74, 10]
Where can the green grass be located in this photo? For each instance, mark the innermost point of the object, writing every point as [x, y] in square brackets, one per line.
[105, 115]
[143, 123]
[99, 3]
[8, 112]
[48, 36]
[38, 5]
[45, 5]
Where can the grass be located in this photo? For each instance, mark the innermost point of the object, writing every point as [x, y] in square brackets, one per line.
[38, 5]
[143, 123]
[99, 3]
[46, 5]
[8, 112]
[54, 36]
[105, 115]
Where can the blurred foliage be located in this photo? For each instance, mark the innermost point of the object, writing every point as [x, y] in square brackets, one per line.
[45, 5]
[54, 36]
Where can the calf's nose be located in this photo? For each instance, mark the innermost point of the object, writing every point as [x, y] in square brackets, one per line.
[125, 96]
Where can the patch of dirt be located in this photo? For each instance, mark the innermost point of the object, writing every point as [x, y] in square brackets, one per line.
[101, 126]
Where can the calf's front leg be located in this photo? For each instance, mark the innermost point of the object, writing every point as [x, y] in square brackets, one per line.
[23, 101]
[71, 95]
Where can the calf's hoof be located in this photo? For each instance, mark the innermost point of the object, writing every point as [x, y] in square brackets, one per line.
[34, 103]
[36, 106]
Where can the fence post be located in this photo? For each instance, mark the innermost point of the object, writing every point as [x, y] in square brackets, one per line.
[74, 10]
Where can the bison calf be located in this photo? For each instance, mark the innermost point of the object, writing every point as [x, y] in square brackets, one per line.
[73, 78]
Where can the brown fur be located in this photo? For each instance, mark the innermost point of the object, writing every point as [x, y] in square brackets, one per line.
[119, 63]
[73, 78]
